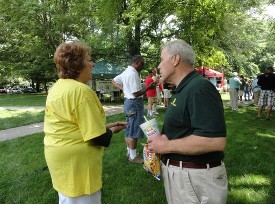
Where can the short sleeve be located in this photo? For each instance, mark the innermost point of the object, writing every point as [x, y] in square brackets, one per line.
[118, 79]
[206, 113]
[148, 81]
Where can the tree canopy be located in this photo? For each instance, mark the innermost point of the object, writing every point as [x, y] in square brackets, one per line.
[232, 34]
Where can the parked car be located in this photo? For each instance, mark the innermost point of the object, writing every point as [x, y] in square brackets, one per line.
[3, 89]
[29, 90]
[15, 90]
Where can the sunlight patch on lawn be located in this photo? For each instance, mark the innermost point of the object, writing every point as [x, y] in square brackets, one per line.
[225, 96]
[250, 188]
[248, 195]
[265, 135]
[250, 180]
[18, 113]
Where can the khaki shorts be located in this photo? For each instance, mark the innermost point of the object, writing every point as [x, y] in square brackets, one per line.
[152, 100]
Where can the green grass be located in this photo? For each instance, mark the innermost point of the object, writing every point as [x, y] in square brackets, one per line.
[225, 97]
[249, 159]
[33, 100]
[25, 178]
[124, 182]
[16, 118]
[22, 99]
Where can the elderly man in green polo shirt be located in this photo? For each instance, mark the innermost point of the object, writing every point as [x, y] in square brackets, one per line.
[193, 136]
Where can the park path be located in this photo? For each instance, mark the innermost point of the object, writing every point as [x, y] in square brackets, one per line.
[22, 131]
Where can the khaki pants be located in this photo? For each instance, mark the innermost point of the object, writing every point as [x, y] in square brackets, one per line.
[256, 97]
[195, 186]
[233, 93]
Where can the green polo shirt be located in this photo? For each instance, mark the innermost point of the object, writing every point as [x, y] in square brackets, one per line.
[196, 108]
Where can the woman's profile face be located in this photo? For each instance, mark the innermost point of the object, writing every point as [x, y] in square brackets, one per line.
[86, 73]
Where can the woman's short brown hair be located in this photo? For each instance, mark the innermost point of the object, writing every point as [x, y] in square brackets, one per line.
[70, 58]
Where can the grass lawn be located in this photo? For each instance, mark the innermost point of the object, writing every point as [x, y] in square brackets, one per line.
[22, 99]
[17, 118]
[25, 177]
[32, 100]
[249, 159]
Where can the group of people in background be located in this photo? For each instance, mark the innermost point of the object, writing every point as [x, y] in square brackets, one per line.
[261, 89]
[158, 95]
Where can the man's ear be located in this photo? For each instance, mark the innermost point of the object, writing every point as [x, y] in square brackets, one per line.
[176, 59]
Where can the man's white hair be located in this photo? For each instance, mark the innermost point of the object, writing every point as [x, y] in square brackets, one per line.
[182, 48]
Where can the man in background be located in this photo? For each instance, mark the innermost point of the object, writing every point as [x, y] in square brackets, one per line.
[151, 93]
[241, 89]
[267, 83]
[256, 90]
[167, 93]
[130, 83]
[234, 86]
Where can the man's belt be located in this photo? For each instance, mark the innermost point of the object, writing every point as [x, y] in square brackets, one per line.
[191, 165]
[134, 98]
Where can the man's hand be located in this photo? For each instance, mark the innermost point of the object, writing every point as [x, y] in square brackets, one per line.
[158, 144]
[152, 85]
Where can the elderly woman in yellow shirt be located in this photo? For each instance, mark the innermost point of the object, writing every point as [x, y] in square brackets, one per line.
[75, 128]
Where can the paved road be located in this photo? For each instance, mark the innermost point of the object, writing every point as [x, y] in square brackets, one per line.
[38, 127]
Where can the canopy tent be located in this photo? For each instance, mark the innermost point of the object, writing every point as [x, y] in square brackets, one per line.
[106, 70]
[102, 74]
[209, 73]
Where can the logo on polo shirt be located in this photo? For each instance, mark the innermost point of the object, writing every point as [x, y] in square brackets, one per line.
[173, 103]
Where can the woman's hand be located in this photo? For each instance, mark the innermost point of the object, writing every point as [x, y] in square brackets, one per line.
[117, 126]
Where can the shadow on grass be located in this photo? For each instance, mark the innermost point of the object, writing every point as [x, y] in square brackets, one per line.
[250, 157]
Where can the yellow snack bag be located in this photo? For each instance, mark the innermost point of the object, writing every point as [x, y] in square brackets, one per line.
[151, 162]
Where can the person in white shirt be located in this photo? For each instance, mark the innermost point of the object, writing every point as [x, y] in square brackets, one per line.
[130, 83]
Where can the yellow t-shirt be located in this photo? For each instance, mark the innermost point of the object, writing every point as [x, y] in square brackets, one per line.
[73, 116]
